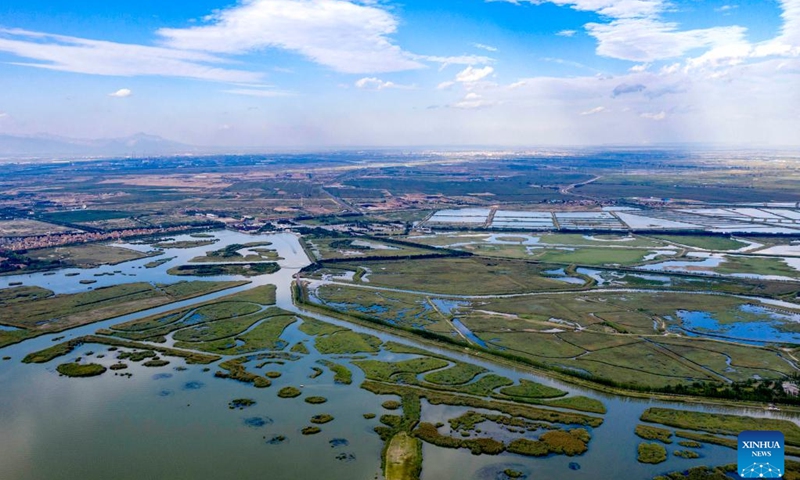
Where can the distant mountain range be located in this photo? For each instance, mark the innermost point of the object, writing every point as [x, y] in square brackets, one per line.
[49, 146]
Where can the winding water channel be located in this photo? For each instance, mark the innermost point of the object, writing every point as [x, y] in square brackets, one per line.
[168, 423]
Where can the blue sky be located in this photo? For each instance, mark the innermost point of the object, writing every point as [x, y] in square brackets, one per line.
[328, 73]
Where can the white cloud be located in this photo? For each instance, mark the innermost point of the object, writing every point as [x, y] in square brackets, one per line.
[372, 83]
[639, 68]
[454, 60]
[445, 85]
[726, 8]
[633, 29]
[473, 101]
[121, 93]
[471, 74]
[567, 33]
[346, 36]
[482, 46]
[515, 85]
[593, 111]
[3, 115]
[649, 39]
[79, 55]
[654, 116]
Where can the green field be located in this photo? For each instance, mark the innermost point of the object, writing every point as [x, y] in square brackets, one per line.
[592, 256]
[707, 242]
[461, 276]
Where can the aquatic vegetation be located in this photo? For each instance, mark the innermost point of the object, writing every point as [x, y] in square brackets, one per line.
[322, 418]
[393, 421]
[469, 420]
[316, 400]
[48, 354]
[159, 262]
[310, 430]
[193, 385]
[315, 328]
[391, 404]
[273, 374]
[654, 433]
[651, 453]
[156, 363]
[458, 374]
[383, 371]
[136, 356]
[276, 440]
[257, 422]
[289, 392]
[690, 444]
[529, 389]
[341, 374]
[241, 403]
[77, 370]
[315, 372]
[721, 424]
[184, 244]
[214, 269]
[570, 443]
[347, 342]
[580, 403]
[41, 315]
[346, 457]
[236, 370]
[686, 454]
[445, 398]
[300, 347]
[369, 416]
[265, 336]
[118, 366]
[428, 433]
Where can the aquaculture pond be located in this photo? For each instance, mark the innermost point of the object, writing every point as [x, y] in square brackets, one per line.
[182, 420]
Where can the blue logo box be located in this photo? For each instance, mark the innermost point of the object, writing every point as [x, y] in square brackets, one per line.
[760, 454]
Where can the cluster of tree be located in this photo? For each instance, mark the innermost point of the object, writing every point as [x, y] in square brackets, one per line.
[14, 261]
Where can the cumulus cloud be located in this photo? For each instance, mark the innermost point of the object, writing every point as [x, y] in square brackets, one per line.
[121, 93]
[567, 33]
[445, 85]
[347, 36]
[471, 74]
[593, 111]
[639, 68]
[372, 83]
